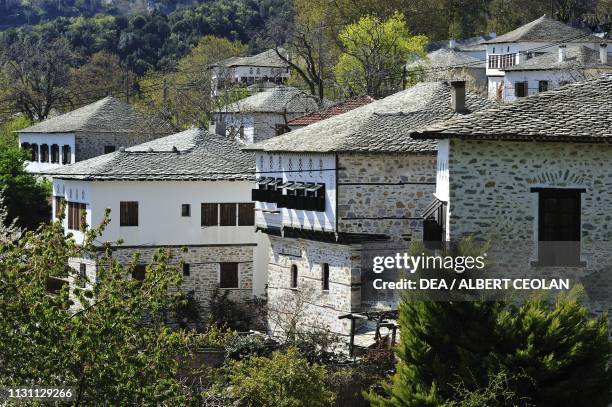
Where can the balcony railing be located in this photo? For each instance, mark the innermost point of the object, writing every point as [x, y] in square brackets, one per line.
[501, 61]
[291, 195]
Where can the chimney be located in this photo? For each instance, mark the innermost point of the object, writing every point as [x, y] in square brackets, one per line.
[458, 96]
[452, 43]
[521, 57]
[603, 53]
[492, 34]
[561, 53]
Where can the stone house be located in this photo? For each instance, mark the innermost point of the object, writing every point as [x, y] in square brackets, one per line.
[98, 128]
[533, 39]
[265, 67]
[263, 115]
[549, 71]
[534, 178]
[190, 189]
[330, 190]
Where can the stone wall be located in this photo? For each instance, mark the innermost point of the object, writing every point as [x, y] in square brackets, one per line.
[265, 124]
[384, 194]
[89, 145]
[308, 304]
[203, 268]
[491, 198]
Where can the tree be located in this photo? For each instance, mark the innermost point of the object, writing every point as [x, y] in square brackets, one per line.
[8, 131]
[101, 76]
[184, 96]
[106, 336]
[25, 196]
[284, 380]
[550, 354]
[374, 54]
[37, 74]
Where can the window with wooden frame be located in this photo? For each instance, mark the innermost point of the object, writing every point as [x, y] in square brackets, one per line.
[128, 213]
[520, 89]
[228, 214]
[44, 153]
[186, 270]
[55, 154]
[559, 226]
[109, 149]
[60, 206]
[66, 154]
[542, 86]
[185, 210]
[294, 276]
[82, 275]
[209, 214]
[35, 152]
[139, 271]
[246, 214]
[325, 277]
[75, 211]
[228, 275]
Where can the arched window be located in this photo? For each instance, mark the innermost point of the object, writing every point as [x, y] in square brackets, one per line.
[294, 276]
[55, 154]
[325, 277]
[66, 154]
[26, 147]
[44, 153]
[34, 150]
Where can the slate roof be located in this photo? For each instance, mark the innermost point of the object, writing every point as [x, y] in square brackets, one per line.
[576, 112]
[447, 58]
[107, 115]
[267, 58]
[380, 126]
[278, 99]
[192, 155]
[576, 57]
[333, 110]
[461, 44]
[545, 29]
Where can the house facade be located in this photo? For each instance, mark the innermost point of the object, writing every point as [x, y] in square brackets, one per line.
[263, 115]
[98, 128]
[531, 40]
[330, 191]
[189, 190]
[533, 177]
[266, 67]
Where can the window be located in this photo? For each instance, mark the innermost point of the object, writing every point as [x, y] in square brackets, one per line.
[246, 214]
[228, 275]
[34, 149]
[74, 215]
[325, 277]
[139, 271]
[55, 154]
[210, 214]
[542, 86]
[281, 129]
[66, 154]
[44, 153]
[520, 89]
[54, 284]
[294, 276]
[559, 226]
[186, 270]
[128, 213]
[185, 210]
[60, 206]
[109, 149]
[82, 275]
[228, 214]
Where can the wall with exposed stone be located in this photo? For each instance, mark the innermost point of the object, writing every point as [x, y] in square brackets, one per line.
[385, 194]
[491, 198]
[89, 145]
[203, 268]
[308, 304]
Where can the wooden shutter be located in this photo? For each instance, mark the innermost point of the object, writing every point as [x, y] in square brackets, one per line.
[246, 214]
[228, 214]
[325, 277]
[74, 215]
[128, 213]
[210, 215]
[60, 206]
[228, 275]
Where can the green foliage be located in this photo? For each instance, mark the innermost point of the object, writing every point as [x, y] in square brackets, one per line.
[8, 135]
[283, 380]
[550, 354]
[25, 195]
[223, 311]
[374, 53]
[108, 339]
